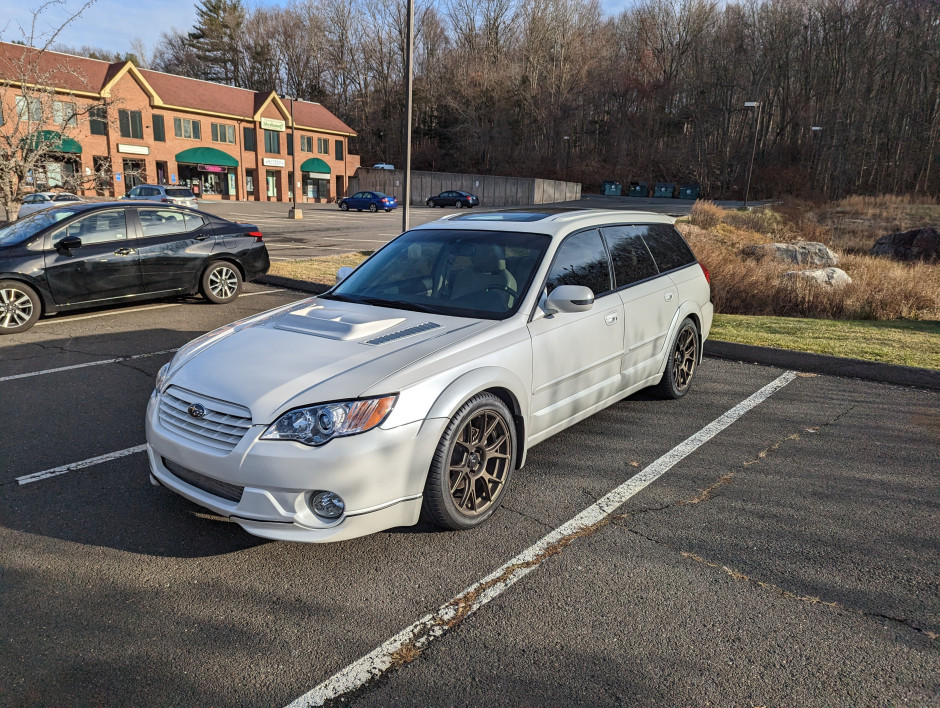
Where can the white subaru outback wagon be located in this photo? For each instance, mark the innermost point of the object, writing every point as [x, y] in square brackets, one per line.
[415, 387]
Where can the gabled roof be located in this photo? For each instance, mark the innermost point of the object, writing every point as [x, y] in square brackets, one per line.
[71, 73]
[201, 95]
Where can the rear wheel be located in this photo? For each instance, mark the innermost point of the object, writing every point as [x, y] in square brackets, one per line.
[682, 363]
[221, 282]
[471, 466]
[373, 207]
[19, 307]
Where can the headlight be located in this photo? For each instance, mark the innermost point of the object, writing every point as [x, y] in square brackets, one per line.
[161, 376]
[317, 425]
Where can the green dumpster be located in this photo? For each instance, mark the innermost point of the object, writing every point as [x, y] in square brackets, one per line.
[664, 190]
[688, 191]
[639, 189]
[611, 188]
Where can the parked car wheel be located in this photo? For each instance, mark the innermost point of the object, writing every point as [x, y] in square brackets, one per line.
[19, 307]
[459, 204]
[682, 363]
[221, 282]
[344, 206]
[431, 203]
[471, 466]
[373, 207]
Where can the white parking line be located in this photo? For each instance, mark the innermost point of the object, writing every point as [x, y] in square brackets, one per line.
[82, 366]
[58, 320]
[56, 471]
[430, 627]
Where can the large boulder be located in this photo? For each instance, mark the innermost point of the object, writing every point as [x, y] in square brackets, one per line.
[833, 277]
[916, 245]
[800, 253]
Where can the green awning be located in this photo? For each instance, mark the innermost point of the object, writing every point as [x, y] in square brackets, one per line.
[315, 164]
[56, 142]
[206, 156]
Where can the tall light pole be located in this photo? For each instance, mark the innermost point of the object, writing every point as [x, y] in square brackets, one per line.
[295, 213]
[409, 55]
[752, 104]
[816, 130]
[567, 140]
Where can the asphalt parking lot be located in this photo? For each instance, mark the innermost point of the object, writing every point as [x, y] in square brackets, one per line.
[792, 558]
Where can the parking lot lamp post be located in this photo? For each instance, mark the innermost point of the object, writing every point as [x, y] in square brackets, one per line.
[295, 213]
[567, 140]
[814, 160]
[747, 190]
[409, 60]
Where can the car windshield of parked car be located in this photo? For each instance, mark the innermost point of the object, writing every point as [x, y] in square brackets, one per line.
[20, 230]
[468, 273]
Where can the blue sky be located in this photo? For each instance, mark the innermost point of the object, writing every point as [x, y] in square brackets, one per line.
[114, 24]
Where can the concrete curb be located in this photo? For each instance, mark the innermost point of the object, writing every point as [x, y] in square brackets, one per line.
[780, 358]
[824, 364]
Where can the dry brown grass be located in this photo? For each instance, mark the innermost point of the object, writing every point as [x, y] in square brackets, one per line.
[881, 289]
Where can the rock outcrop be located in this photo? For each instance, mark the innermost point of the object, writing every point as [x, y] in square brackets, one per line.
[809, 253]
[915, 245]
[833, 277]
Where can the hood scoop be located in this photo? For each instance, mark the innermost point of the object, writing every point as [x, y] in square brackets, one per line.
[402, 333]
[343, 325]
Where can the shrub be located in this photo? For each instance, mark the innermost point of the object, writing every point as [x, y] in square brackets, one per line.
[706, 215]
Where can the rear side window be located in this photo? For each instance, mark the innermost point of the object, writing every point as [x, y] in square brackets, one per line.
[162, 222]
[669, 249]
[582, 260]
[632, 260]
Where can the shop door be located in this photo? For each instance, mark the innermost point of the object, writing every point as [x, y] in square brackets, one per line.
[161, 173]
[272, 184]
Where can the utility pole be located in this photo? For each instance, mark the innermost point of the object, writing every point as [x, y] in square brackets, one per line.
[747, 190]
[409, 58]
[295, 213]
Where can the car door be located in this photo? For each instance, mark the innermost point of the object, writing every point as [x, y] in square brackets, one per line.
[103, 267]
[173, 247]
[356, 200]
[649, 300]
[450, 198]
[576, 356]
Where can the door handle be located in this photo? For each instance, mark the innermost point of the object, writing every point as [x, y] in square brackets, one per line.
[668, 295]
[200, 237]
[124, 252]
[611, 318]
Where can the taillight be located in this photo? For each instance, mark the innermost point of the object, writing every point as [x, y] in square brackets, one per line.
[258, 236]
[708, 276]
[165, 200]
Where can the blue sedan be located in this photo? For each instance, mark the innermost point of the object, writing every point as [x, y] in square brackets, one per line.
[373, 201]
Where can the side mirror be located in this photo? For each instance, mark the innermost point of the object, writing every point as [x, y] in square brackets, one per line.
[68, 243]
[570, 298]
[343, 273]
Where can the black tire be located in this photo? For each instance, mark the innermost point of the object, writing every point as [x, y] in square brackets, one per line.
[221, 282]
[373, 208]
[483, 474]
[431, 203]
[20, 307]
[343, 206]
[459, 204]
[682, 362]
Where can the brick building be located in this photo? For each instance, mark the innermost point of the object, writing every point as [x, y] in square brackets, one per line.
[138, 125]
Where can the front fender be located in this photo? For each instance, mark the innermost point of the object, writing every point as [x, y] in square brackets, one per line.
[39, 285]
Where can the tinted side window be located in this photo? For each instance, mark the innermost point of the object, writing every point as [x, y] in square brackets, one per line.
[632, 260]
[193, 221]
[668, 248]
[582, 260]
[161, 222]
[99, 227]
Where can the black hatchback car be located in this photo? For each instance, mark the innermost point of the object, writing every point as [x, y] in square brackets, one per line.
[93, 254]
[454, 198]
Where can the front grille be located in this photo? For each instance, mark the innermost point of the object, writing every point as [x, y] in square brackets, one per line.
[232, 492]
[221, 429]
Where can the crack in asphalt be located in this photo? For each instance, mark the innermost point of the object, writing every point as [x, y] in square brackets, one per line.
[528, 516]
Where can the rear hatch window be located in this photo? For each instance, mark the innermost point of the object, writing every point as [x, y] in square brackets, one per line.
[180, 193]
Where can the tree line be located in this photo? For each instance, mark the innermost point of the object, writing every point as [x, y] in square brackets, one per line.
[848, 90]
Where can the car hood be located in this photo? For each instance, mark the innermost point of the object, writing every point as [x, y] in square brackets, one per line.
[317, 350]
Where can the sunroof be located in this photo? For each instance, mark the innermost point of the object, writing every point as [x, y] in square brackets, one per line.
[515, 215]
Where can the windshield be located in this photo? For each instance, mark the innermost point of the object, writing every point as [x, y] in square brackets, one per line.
[179, 193]
[20, 230]
[462, 273]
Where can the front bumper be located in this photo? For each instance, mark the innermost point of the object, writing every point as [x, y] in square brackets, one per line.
[379, 474]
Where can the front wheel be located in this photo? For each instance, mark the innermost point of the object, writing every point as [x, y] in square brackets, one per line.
[471, 466]
[373, 208]
[19, 307]
[221, 282]
[431, 203]
[682, 362]
[343, 206]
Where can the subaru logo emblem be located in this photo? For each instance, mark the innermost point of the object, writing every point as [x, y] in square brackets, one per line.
[197, 410]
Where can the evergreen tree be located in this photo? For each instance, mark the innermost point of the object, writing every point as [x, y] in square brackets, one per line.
[215, 39]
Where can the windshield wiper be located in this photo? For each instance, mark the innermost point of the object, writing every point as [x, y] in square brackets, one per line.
[400, 304]
[337, 296]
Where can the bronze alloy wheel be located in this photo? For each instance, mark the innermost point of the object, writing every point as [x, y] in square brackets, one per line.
[479, 463]
[683, 366]
[472, 465]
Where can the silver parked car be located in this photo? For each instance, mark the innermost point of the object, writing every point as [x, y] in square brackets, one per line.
[417, 385]
[181, 196]
[37, 201]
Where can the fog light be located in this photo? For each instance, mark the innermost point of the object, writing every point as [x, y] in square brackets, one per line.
[328, 505]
